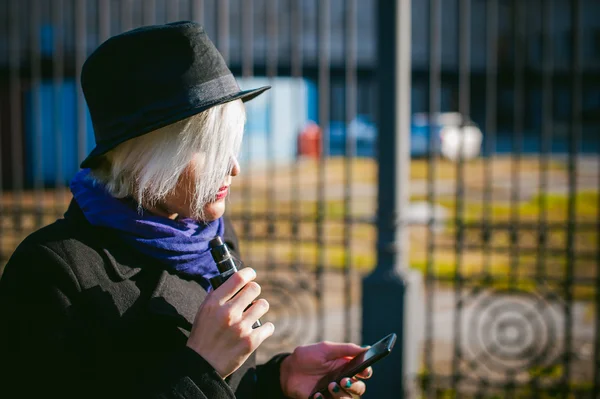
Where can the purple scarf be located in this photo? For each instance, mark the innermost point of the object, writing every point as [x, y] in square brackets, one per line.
[181, 244]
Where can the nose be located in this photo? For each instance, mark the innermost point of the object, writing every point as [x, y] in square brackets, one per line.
[235, 167]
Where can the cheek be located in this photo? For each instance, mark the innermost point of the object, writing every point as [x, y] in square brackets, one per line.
[214, 210]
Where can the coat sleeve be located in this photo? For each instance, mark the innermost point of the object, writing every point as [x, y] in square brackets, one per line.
[268, 378]
[41, 351]
[268, 384]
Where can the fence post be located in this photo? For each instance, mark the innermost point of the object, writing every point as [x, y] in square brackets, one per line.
[384, 290]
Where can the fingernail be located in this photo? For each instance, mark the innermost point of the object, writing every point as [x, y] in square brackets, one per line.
[348, 384]
[364, 346]
[336, 388]
[318, 396]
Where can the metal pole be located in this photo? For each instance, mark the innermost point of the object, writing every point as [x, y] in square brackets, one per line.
[58, 67]
[16, 126]
[350, 111]
[384, 289]
[435, 82]
[80, 55]
[324, 86]
[36, 79]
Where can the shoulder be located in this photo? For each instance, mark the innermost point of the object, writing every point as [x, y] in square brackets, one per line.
[52, 254]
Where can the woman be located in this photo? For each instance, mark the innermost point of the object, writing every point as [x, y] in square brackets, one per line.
[114, 300]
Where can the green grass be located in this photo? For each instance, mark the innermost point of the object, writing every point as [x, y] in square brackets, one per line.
[556, 208]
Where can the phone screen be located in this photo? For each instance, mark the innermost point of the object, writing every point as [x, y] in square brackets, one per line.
[365, 359]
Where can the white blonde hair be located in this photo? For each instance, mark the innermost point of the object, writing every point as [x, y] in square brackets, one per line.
[148, 167]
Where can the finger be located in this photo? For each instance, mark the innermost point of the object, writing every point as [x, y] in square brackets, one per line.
[245, 297]
[235, 283]
[353, 386]
[261, 333]
[334, 350]
[337, 392]
[365, 374]
[256, 311]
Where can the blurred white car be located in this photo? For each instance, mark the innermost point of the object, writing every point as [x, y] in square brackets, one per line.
[452, 135]
[457, 134]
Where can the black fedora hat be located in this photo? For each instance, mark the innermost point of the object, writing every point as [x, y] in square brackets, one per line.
[150, 77]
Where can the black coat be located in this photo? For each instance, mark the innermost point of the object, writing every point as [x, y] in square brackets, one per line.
[81, 315]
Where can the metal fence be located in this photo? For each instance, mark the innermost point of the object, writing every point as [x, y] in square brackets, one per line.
[512, 275]
[506, 239]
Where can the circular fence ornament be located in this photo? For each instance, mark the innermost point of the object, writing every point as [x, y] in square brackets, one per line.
[507, 334]
[292, 310]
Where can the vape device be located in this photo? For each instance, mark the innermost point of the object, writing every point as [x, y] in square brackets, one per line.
[225, 265]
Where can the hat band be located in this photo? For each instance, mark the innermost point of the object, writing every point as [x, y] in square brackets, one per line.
[215, 89]
[197, 96]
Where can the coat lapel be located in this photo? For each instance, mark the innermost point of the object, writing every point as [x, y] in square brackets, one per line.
[176, 299]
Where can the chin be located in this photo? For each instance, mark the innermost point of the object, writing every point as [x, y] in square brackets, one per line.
[214, 210]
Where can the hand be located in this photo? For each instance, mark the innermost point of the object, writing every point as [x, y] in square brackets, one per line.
[301, 371]
[222, 332]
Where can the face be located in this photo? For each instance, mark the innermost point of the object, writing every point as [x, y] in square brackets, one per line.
[179, 202]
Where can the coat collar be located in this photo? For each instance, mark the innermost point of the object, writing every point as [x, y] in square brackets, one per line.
[117, 257]
[174, 297]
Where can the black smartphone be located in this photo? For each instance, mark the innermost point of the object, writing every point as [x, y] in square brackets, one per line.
[365, 359]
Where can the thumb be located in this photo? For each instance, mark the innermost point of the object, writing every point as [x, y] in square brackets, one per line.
[334, 350]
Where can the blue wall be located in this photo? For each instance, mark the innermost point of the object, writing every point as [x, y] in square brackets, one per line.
[58, 120]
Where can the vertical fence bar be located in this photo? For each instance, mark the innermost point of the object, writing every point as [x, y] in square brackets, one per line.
[149, 10]
[16, 127]
[103, 20]
[350, 111]
[4, 8]
[491, 125]
[2, 256]
[173, 9]
[545, 138]
[296, 72]
[386, 284]
[515, 164]
[58, 66]
[435, 76]
[247, 23]
[80, 55]
[126, 15]
[596, 389]
[271, 64]
[464, 96]
[519, 14]
[223, 29]
[198, 10]
[36, 111]
[574, 132]
[324, 98]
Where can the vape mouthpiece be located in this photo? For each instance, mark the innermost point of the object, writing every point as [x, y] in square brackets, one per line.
[220, 253]
[215, 242]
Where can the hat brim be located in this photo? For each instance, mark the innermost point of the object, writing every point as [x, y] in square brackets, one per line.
[103, 147]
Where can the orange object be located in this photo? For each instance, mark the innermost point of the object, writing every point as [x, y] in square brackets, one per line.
[310, 141]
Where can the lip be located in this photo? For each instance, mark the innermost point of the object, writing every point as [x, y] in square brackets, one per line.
[222, 193]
